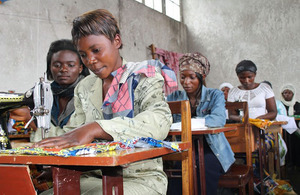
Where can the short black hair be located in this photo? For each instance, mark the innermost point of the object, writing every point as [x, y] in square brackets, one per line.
[59, 45]
[96, 22]
[245, 65]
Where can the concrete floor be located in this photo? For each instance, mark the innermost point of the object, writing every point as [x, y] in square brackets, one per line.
[293, 177]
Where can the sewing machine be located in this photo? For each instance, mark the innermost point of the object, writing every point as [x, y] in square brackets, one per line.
[39, 99]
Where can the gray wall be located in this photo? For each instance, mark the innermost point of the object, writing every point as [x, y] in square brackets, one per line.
[28, 27]
[264, 31]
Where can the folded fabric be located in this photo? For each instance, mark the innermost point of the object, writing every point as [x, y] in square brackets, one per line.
[94, 148]
[260, 123]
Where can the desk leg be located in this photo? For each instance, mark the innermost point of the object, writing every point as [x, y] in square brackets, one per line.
[194, 169]
[66, 181]
[201, 165]
[112, 180]
[261, 156]
[277, 155]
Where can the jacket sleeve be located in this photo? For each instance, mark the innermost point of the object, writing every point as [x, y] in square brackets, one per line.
[217, 116]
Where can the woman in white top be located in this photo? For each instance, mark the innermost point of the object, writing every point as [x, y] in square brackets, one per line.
[260, 96]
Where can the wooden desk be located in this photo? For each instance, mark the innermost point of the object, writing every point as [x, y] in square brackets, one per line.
[66, 170]
[198, 145]
[274, 128]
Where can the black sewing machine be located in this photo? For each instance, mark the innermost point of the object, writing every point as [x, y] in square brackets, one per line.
[39, 99]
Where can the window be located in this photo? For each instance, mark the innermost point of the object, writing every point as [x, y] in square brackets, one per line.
[154, 4]
[173, 9]
[169, 7]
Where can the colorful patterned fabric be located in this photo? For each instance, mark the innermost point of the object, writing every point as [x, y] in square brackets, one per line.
[20, 127]
[269, 140]
[94, 148]
[260, 123]
[119, 98]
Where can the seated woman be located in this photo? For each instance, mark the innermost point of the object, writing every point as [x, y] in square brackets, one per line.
[121, 100]
[225, 87]
[66, 69]
[288, 98]
[210, 104]
[260, 96]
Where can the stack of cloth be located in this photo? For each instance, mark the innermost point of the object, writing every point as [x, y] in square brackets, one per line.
[94, 148]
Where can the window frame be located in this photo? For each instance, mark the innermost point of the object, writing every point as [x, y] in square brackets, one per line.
[163, 2]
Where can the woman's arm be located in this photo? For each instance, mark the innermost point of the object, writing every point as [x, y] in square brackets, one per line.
[22, 114]
[234, 115]
[217, 115]
[271, 109]
[79, 136]
[153, 119]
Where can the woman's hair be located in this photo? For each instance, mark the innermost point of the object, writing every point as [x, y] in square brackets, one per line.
[96, 22]
[59, 45]
[245, 65]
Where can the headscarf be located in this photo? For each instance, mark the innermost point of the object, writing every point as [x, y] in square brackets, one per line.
[245, 65]
[225, 85]
[291, 103]
[195, 62]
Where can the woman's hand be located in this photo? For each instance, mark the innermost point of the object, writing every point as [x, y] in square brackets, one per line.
[79, 136]
[22, 114]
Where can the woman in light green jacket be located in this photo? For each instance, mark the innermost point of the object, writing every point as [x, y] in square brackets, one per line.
[120, 101]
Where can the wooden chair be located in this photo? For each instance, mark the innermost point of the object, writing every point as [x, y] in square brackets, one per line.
[241, 141]
[183, 108]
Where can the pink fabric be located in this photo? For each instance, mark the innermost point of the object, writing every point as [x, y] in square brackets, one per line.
[171, 59]
[123, 101]
[120, 97]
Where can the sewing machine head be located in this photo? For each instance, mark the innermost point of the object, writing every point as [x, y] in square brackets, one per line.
[43, 99]
[39, 99]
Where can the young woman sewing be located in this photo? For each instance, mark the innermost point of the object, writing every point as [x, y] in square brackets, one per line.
[122, 100]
